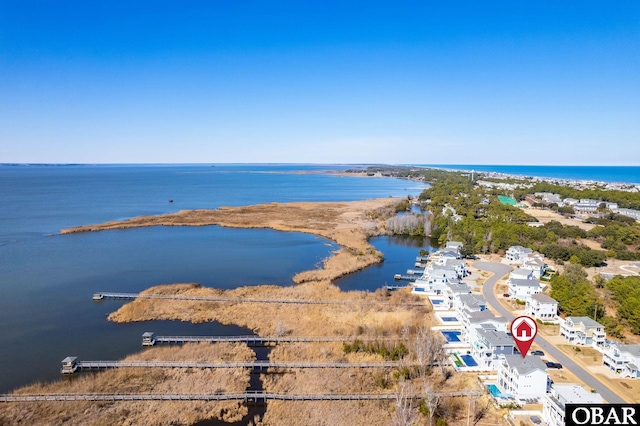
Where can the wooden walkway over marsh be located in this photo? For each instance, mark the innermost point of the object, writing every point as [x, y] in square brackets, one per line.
[150, 339]
[249, 397]
[70, 365]
[130, 296]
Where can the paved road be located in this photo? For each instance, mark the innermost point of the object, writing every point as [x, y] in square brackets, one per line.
[500, 270]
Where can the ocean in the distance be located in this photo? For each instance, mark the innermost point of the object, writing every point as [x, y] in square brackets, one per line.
[617, 174]
[47, 280]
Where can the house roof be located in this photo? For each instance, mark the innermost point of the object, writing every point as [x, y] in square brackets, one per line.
[520, 271]
[520, 249]
[481, 316]
[496, 338]
[525, 365]
[572, 394]
[519, 282]
[586, 321]
[544, 298]
[534, 261]
[472, 300]
[459, 288]
[632, 349]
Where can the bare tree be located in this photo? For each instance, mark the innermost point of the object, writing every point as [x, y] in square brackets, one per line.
[431, 401]
[405, 413]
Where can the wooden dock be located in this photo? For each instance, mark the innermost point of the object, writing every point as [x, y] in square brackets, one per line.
[397, 287]
[129, 296]
[248, 397]
[399, 277]
[150, 339]
[255, 366]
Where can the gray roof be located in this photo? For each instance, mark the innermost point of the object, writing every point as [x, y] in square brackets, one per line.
[586, 321]
[525, 365]
[521, 271]
[519, 282]
[496, 338]
[459, 288]
[632, 349]
[471, 300]
[543, 298]
[481, 316]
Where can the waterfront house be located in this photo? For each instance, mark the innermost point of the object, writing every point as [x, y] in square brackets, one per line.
[517, 254]
[543, 307]
[525, 379]
[483, 320]
[457, 265]
[467, 303]
[490, 345]
[435, 280]
[582, 331]
[623, 359]
[523, 289]
[553, 406]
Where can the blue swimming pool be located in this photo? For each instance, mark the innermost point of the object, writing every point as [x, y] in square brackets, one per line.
[494, 391]
[449, 319]
[436, 301]
[469, 361]
[451, 336]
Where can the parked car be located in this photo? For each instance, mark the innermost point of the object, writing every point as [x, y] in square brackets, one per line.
[536, 420]
[552, 364]
[540, 353]
[505, 295]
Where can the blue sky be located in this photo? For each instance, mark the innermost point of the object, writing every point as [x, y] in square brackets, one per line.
[513, 82]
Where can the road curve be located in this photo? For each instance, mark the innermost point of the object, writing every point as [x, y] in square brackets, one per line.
[499, 270]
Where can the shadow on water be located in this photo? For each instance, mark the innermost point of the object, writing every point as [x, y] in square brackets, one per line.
[255, 385]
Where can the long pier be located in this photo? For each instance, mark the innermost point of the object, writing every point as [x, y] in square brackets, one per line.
[72, 366]
[149, 339]
[250, 397]
[129, 296]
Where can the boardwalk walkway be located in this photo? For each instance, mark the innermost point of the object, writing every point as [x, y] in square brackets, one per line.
[259, 366]
[255, 397]
[252, 340]
[103, 295]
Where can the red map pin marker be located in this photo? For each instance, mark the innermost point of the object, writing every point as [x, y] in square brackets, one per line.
[524, 330]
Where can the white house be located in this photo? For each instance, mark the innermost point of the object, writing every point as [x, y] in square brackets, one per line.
[523, 378]
[553, 406]
[467, 303]
[490, 345]
[623, 359]
[435, 280]
[582, 331]
[517, 254]
[521, 274]
[536, 265]
[457, 265]
[542, 307]
[586, 206]
[483, 320]
[523, 289]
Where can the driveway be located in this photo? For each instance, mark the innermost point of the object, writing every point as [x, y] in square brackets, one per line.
[499, 270]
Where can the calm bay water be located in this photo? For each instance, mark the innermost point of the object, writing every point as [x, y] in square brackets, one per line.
[46, 280]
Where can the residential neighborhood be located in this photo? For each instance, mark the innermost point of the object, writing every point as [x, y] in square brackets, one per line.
[478, 338]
